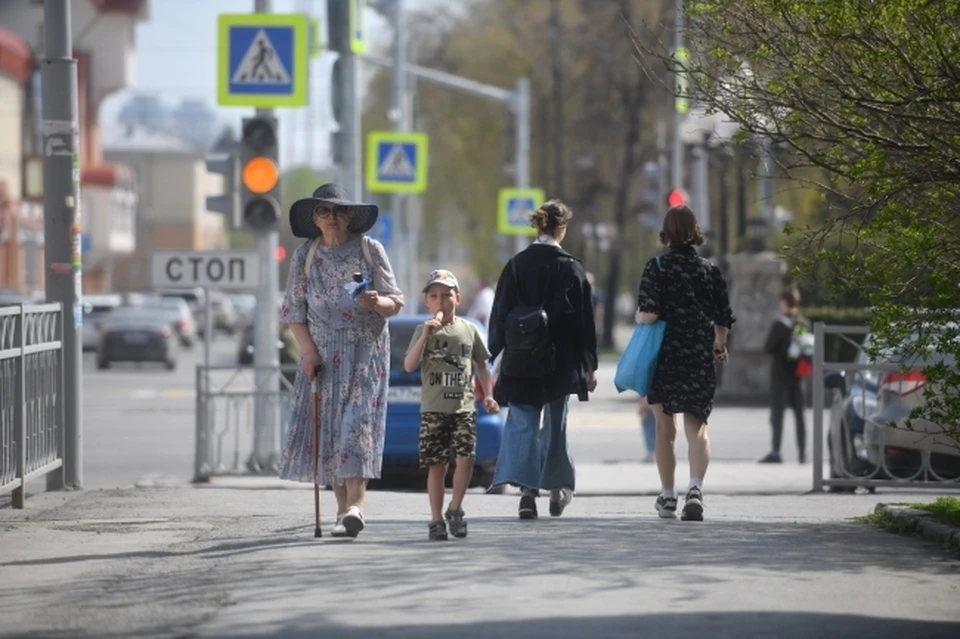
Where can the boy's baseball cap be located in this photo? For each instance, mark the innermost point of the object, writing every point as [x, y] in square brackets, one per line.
[441, 276]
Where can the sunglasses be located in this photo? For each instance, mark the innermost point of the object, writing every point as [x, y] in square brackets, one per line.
[325, 212]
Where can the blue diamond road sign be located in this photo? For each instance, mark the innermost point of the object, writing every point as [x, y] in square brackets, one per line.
[383, 229]
[262, 60]
[396, 162]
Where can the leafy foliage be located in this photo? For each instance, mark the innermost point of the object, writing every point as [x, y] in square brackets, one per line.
[868, 92]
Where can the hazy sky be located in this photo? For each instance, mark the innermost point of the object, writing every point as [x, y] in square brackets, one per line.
[177, 58]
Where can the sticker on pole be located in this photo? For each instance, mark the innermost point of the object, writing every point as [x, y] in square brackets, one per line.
[396, 162]
[262, 60]
[514, 209]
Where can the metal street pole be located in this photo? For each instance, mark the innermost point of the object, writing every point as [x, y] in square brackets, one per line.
[266, 359]
[61, 222]
[521, 114]
[701, 197]
[351, 177]
[678, 117]
[397, 116]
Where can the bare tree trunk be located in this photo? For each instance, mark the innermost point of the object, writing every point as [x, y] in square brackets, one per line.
[556, 50]
[633, 100]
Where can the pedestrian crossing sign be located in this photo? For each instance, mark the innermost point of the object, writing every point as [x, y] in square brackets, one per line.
[514, 209]
[262, 59]
[396, 162]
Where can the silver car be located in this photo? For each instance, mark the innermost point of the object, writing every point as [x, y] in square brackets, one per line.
[136, 335]
[899, 444]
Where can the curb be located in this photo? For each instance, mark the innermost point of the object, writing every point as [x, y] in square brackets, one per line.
[921, 523]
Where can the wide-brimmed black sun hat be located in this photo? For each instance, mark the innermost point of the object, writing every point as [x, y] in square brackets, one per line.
[301, 213]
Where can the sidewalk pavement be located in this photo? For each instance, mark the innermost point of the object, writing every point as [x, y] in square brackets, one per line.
[227, 560]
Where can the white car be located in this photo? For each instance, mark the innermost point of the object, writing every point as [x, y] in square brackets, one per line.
[95, 310]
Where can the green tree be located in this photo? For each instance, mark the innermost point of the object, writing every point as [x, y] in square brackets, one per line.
[867, 93]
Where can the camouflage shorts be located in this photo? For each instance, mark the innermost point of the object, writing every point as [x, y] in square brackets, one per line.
[441, 431]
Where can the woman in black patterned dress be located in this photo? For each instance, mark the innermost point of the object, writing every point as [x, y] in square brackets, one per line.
[689, 293]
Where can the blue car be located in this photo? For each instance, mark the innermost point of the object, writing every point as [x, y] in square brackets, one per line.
[401, 448]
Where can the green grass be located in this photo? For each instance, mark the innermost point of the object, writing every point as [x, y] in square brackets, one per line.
[945, 509]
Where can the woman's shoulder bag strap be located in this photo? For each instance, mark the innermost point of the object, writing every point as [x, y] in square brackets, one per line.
[310, 252]
[316, 241]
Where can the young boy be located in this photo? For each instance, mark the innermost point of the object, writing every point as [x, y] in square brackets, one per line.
[449, 348]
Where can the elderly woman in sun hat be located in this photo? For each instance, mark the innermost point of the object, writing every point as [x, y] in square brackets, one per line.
[344, 340]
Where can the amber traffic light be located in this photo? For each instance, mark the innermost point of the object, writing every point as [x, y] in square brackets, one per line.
[259, 173]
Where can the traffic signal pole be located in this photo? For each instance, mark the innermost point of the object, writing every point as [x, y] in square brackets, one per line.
[678, 115]
[61, 224]
[266, 359]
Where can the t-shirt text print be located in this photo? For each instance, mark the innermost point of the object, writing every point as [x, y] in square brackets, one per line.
[446, 370]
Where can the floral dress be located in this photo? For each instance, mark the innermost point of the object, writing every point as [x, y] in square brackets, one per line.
[690, 294]
[354, 347]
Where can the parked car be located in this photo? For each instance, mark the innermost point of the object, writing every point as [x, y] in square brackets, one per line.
[245, 351]
[179, 316]
[96, 308]
[853, 398]
[245, 305]
[887, 435]
[401, 447]
[10, 298]
[137, 335]
[194, 297]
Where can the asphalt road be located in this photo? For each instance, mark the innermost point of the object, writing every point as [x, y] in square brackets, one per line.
[139, 423]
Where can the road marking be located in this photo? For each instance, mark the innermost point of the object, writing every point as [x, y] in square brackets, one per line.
[182, 392]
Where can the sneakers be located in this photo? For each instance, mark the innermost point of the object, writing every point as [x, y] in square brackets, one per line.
[560, 499]
[353, 521]
[693, 505]
[438, 531]
[339, 530]
[528, 507]
[772, 458]
[456, 522]
[666, 507]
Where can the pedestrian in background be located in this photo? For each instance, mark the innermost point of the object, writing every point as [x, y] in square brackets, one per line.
[482, 304]
[448, 350]
[783, 343]
[690, 295]
[542, 322]
[648, 424]
[345, 342]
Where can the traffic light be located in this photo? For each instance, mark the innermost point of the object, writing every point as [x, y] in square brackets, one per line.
[260, 173]
[228, 167]
[677, 197]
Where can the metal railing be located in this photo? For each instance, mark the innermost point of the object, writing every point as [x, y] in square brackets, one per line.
[31, 398]
[226, 432]
[876, 469]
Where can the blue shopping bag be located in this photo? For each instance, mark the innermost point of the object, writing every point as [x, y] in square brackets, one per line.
[639, 361]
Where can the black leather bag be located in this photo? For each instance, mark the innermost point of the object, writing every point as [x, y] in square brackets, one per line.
[529, 352]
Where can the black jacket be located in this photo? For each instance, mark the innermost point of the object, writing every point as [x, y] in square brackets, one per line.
[777, 344]
[570, 315]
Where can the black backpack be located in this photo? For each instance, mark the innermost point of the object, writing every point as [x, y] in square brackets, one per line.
[529, 352]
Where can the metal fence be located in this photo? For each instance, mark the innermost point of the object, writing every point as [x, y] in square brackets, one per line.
[228, 440]
[866, 449]
[31, 398]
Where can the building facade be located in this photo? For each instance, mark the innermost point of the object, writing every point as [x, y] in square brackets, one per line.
[104, 33]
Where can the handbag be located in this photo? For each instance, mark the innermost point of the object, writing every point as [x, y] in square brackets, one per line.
[638, 363]
[529, 351]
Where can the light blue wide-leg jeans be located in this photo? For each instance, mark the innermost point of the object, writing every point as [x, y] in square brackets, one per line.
[532, 455]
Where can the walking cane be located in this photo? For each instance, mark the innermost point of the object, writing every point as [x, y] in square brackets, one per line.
[314, 449]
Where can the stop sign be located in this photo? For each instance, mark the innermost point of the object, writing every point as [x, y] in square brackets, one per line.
[677, 197]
